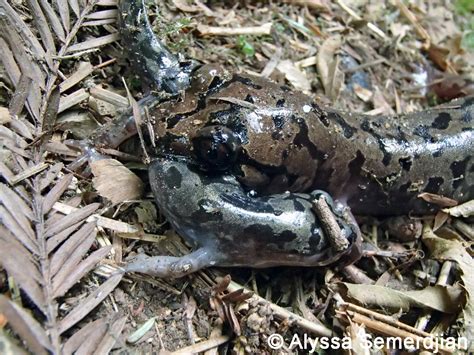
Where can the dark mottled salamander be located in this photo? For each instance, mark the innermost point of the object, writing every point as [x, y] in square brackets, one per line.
[274, 139]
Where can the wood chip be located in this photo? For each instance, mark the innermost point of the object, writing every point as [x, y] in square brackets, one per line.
[104, 14]
[25, 174]
[103, 222]
[264, 29]
[465, 210]
[73, 99]
[109, 96]
[84, 69]
[4, 115]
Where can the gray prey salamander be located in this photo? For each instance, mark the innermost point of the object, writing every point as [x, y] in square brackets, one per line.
[227, 227]
[273, 139]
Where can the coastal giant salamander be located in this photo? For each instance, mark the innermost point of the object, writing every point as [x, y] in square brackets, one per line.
[272, 140]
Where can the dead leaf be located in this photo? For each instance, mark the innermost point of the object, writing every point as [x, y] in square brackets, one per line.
[443, 249]
[26, 326]
[115, 182]
[295, 76]
[440, 219]
[328, 67]
[439, 200]
[88, 304]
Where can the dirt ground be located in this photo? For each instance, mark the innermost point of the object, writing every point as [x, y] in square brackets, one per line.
[364, 56]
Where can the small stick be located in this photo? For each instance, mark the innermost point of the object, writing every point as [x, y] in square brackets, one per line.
[330, 225]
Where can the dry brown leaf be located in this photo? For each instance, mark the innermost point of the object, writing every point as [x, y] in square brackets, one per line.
[64, 13]
[295, 76]
[26, 326]
[319, 5]
[440, 219]
[443, 249]
[50, 175]
[23, 128]
[17, 206]
[81, 270]
[21, 232]
[328, 67]
[111, 337]
[91, 332]
[115, 182]
[67, 221]
[53, 20]
[94, 43]
[58, 238]
[74, 257]
[19, 97]
[88, 304]
[20, 26]
[42, 26]
[185, 7]
[27, 276]
[55, 193]
[70, 247]
[439, 200]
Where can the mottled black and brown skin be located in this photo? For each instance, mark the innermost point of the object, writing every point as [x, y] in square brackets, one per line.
[283, 140]
[287, 142]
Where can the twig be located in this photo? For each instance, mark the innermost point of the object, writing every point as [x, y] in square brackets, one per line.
[284, 314]
[330, 225]
[203, 345]
[370, 25]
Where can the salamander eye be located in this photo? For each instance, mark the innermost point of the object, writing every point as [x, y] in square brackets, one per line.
[216, 147]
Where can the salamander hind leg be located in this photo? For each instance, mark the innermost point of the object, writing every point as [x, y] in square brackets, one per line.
[171, 266]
